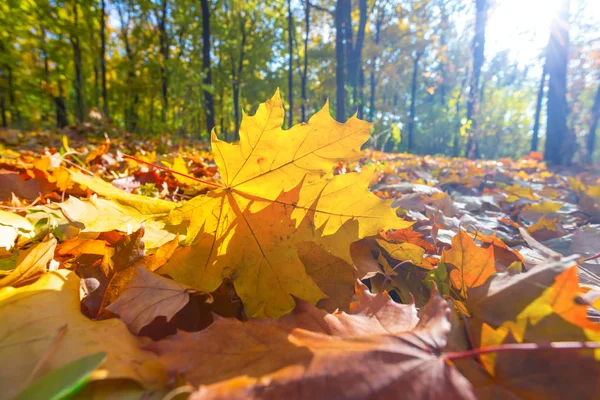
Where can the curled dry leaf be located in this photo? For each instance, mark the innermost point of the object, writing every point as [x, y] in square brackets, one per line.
[30, 263]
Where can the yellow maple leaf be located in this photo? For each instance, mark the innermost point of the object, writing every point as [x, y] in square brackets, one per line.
[278, 192]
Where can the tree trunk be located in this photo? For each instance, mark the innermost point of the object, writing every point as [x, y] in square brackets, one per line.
[103, 56]
[236, 74]
[62, 118]
[591, 138]
[164, 51]
[77, 61]
[304, 79]
[340, 58]
[558, 58]
[472, 150]
[209, 102]
[355, 59]
[413, 94]
[372, 79]
[3, 112]
[538, 109]
[290, 65]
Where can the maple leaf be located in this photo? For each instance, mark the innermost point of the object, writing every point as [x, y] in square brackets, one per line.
[305, 354]
[278, 192]
[471, 265]
[38, 312]
[538, 306]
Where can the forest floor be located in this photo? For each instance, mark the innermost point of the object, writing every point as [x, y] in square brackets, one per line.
[473, 222]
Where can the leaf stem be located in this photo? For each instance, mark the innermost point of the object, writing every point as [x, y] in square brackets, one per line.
[457, 355]
[173, 172]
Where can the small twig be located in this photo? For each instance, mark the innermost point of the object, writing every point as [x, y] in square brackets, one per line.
[457, 355]
[173, 172]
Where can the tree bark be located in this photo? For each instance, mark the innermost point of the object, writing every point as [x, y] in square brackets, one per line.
[290, 65]
[164, 51]
[77, 61]
[538, 109]
[591, 137]
[209, 102]
[558, 58]
[103, 56]
[304, 78]
[472, 150]
[413, 94]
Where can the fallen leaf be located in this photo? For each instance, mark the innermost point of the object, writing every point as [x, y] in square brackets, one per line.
[147, 296]
[30, 263]
[297, 363]
[36, 313]
[276, 194]
[470, 266]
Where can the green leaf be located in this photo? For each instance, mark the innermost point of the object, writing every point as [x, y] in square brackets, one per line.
[65, 381]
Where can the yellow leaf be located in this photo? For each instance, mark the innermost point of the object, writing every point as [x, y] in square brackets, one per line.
[180, 166]
[278, 192]
[30, 263]
[37, 313]
[471, 264]
[13, 226]
[517, 192]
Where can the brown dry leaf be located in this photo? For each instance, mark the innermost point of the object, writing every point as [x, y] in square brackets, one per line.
[38, 312]
[471, 265]
[147, 296]
[101, 287]
[299, 363]
[30, 263]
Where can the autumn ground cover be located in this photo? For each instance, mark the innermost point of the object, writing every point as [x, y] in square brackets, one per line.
[292, 264]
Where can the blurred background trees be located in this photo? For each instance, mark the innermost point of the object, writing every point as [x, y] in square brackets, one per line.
[437, 76]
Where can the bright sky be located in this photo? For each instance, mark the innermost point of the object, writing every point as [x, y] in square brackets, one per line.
[522, 26]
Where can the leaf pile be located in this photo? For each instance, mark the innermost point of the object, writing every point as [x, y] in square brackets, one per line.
[236, 274]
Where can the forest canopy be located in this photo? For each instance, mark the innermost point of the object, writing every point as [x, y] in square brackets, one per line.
[429, 73]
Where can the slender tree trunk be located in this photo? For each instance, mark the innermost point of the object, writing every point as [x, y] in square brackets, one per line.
[62, 118]
[355, 59]
[209, 102]
[103, 56]
[44, 50]
[3, 112]
[538, 109]
[304, 79]
[290, 65]
[413, 95]
[472, 150]
[164, 51]
[372, 79]
[340, 59]
[77, 61]
[591, 137]
[558, 57]
[237, 80]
